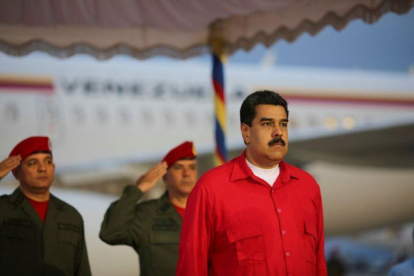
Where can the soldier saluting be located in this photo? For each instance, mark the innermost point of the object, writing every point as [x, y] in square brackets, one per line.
[153, 227]
[40, 234]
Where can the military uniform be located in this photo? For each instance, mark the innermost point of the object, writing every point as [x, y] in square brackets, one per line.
[152, 228]
[30, 247]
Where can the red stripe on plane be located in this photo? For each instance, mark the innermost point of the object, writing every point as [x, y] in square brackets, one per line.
[27, 88]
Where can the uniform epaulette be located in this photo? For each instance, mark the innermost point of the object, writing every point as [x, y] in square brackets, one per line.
[18, 200]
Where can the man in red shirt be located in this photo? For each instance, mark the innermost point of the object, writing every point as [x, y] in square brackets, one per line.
[153, 227]
[255, 215]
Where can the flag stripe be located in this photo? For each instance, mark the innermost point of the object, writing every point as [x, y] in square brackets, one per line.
[220, 110]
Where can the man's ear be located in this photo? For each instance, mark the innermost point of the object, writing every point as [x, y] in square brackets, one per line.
[245, 131]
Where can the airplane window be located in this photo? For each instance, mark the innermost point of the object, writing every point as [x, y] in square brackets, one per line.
[233, 120]
[191, 118]
[146, 117]
[169, 118]
[209, 118]
[11, 113]
[124, 116]
[52, 111]
[348, 122]
[79, 115]
[102, 115]
[238, 94]
[313, 121]
[331, 123]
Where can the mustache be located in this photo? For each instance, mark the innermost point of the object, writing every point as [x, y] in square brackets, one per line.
[277, 140]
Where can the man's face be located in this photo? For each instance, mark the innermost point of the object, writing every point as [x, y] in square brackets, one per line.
[263, 147]
[36, 172]
[181, 177]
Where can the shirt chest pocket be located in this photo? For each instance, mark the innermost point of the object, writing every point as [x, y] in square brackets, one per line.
[164, 237]
[163, 252]
[68, 234]
[248, 242]
[310, 239]
[69, 239]
[18, 229]
[18, 240]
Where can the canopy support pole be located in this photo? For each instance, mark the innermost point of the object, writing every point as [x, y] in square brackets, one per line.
[218, 58]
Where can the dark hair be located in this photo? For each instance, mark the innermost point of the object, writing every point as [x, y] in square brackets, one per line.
[248, 107]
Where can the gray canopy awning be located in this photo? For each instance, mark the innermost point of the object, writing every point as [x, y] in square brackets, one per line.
[180, 29]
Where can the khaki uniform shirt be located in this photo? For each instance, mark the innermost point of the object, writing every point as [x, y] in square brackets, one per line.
[152, 228]
[29, 246]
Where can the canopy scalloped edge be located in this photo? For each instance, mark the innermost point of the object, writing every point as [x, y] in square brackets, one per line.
[99, 53]
[330, 19]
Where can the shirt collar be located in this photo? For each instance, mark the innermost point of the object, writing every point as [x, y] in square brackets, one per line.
[242, 171]
[17, 198]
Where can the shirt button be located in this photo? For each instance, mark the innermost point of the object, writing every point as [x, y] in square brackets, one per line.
[279, 210]
[283, 232]
[273, 191]
[288, 254]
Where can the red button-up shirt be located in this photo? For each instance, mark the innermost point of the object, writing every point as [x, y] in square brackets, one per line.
[237, 224]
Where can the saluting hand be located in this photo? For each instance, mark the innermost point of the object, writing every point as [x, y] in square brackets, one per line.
[147, 181]
[9, 164]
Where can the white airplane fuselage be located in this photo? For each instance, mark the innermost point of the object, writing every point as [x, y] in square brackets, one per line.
[115, 112]
[96, 111]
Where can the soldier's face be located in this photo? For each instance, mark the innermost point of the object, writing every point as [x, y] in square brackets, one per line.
[36, 172]
[181, 177]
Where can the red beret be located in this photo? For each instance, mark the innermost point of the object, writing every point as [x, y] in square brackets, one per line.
[185, 150]
[31, 145]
